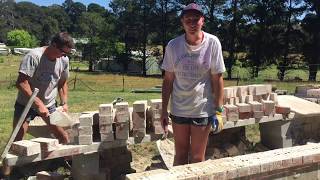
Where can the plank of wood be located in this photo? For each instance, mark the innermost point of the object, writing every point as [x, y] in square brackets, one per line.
[19, 123]
[301, 107]
[62, 151]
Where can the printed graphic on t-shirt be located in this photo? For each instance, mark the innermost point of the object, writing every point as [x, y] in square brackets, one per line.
[191, 67]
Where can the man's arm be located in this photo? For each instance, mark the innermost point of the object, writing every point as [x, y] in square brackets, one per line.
[217, 87]
[23, 85]
[167, 86]
[63, 94]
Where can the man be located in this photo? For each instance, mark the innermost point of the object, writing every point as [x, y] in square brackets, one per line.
[193, 81]
[45, 68]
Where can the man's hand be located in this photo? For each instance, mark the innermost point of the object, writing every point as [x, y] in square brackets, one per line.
[164, 121]
[65, 108]
[43, 111]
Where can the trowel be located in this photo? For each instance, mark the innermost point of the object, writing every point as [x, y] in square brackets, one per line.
[166, 149]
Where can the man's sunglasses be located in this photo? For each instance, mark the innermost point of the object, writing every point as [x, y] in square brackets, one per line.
[63, 52]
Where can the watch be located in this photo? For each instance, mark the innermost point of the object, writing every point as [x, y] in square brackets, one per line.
[220, 109]
[62, 103]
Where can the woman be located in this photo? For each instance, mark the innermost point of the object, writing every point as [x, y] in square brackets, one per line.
[193, 81]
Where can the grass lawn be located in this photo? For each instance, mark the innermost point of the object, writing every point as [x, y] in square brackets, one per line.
[92, 89]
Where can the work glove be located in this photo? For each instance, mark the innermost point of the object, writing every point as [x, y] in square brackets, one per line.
[217, 122]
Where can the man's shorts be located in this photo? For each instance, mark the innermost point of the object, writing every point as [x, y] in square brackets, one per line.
[204, 121]
[18, 110]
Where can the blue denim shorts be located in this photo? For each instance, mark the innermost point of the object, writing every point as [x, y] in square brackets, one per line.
[18, 110]
[204, 121]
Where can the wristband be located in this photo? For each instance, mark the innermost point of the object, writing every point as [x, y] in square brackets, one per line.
[62, 103]
[220, 109]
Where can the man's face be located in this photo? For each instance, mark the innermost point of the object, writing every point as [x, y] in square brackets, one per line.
[62, 51]
[192, 22]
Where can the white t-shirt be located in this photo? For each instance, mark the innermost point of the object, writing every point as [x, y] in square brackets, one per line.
[44, 74]
[192, 93]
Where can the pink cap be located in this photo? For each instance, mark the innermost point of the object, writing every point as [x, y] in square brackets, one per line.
[192, 7]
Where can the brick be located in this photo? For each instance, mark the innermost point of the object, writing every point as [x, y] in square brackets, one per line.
[158, 127]
[230, 101]
[257, 98]
[138, 120]
[231, 109]
[258, 114]
[243, 107]
[313, 93]
[25, 148]
[249, 98]
[242, 91]
[236, 100]
[282, 110]
[85, 139]
[274, 97]
[47, 144]
[85, 130]
[86, 119]
[122, 130]
[256, 106]
[245, 115]
[259, 89]
[268, 107]
[105, 128]
[156, 114]
[140, 106]
[156, 103]
[124, 117]
[105, 109]
[106, 119]
[121, 107]
[107, 137]
[228, 92]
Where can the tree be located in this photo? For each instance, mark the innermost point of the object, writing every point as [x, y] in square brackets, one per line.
[74, 11]
[311, 27]
[7, 22]
[57, 12]
[289, 35]
[96, 8]
[91, 25]
[29, 17]
[21, 38]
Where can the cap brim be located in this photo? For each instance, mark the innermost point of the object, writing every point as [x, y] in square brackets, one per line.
[191, 10]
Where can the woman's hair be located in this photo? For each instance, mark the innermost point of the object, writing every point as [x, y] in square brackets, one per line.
[62, 39]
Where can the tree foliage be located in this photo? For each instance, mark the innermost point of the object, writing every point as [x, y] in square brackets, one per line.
[263, 32]
[21, 38]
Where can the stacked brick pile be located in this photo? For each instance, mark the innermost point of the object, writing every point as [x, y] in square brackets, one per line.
[105, 122]
[155, 113]
[41, 146]
[122, 119]
[252, 101]
[139, 118]
[85, 129]
[309, 92]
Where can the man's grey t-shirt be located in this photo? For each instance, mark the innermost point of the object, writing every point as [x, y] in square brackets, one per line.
[44, 74]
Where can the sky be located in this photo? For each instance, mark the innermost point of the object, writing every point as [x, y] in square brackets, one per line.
[104, 3]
